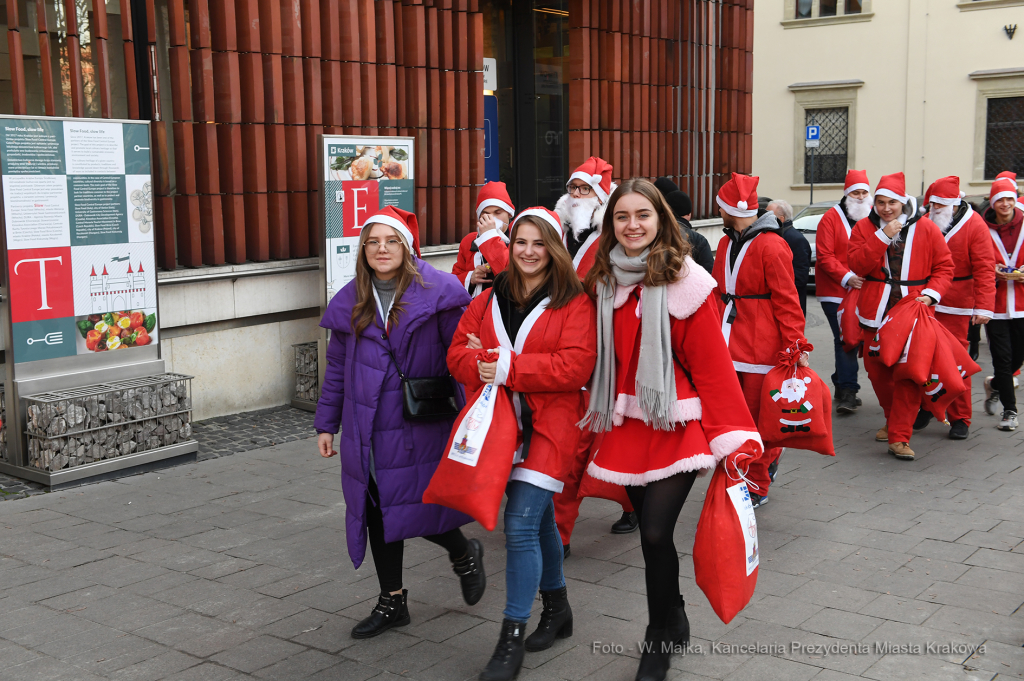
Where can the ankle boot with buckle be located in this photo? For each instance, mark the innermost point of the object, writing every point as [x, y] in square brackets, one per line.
[470, 570]
[555, 620]
[654, 657]
[390, 611]
[508, 654]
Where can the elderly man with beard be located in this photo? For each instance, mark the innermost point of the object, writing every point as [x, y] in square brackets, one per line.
[899, 255]
[971, 296]
[834, 278]
[581, 210]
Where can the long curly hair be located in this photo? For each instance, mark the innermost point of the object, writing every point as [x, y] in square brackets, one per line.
[365, 309]
[668, 251]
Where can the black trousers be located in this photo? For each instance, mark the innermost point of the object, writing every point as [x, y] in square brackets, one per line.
[1006, 342]
[387, 556]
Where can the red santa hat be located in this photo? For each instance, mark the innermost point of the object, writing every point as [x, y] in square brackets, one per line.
[548, 216]
[1004, 185]
[945, 191]
[494, 194]
[856, 179]
[738, 196]
[402, 221]
[894, 186]
[596, 172]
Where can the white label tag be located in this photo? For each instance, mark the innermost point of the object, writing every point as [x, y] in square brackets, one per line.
[740, 497]
[472, 431]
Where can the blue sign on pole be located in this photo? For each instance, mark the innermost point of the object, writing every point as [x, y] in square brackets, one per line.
[490, 138]
[813, 132]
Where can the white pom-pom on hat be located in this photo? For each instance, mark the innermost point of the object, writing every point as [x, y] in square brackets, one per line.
[742, 205]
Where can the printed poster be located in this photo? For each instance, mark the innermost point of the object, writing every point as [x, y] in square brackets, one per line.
[78, 209]
[361, 175]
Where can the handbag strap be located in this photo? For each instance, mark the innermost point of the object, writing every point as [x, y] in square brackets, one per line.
[387, 346]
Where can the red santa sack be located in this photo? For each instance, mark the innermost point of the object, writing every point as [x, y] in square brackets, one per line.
[951, 364]
[725, 555]
[473, 473]
[796, 405]
[907, 340]
[850, 332]
[600, 489]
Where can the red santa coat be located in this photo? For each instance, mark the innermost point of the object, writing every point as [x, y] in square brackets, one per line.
[973, 289]
[712, 419]
[831, 245]
[545, 366]
[763, 326]
[492, 248]
[927, 264]
[1009, 295]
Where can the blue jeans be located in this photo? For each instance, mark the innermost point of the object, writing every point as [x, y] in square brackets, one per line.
[847, 366]
[533, 546]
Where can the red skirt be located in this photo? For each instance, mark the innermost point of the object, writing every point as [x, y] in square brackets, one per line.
[635, 454]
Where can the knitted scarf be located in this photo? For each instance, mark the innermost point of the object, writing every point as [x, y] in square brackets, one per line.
[655, 377]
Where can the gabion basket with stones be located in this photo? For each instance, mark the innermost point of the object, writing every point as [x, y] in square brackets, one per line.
[307, 376]
[68, 428]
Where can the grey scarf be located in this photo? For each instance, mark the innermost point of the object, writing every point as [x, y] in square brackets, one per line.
[655, 377]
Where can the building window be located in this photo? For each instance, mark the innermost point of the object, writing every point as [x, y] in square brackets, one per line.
[803, 9]
[812, 9]
[830, 157]
[1004, 136]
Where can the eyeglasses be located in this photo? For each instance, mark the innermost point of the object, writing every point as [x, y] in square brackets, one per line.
[373, 245]
[583, 189]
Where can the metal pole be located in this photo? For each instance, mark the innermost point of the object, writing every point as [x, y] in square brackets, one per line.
[812, 174]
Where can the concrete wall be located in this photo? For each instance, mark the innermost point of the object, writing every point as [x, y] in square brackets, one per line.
[917, 110]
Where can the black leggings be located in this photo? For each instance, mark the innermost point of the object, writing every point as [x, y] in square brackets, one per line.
[387, 556]
[1006, 342]
[657, 506]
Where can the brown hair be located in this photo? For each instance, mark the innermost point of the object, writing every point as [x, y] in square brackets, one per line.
[668, 251]
[364, 311]
[560, 279]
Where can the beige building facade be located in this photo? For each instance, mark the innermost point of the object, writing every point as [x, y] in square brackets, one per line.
[929, 87]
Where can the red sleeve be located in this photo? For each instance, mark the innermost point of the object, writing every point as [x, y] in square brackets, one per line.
[983, 261]
[866, 248]
[495, 252]
[825, 246]
[778, 274]
[462, 360]
[464, 262]
[567, 368]
[942, 262]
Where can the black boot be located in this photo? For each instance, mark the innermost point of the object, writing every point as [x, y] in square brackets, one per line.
[846, 401]
[555, 620]
[471, 573]
[390, 611]
[626, 524]
[679, 625]
[922, 420]
[654, 657]
[508, 654]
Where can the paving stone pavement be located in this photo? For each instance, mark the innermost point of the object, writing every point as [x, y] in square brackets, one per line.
[236, 568]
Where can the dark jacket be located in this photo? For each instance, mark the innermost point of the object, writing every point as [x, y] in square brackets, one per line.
[701, 252]
[801, 259]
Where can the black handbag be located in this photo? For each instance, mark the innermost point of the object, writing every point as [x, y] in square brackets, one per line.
[426, 399]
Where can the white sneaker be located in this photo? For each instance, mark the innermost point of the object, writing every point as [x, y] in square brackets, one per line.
[991, 397]
[1009, 420]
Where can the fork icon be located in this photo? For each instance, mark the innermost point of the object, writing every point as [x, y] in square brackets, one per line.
[52, 338]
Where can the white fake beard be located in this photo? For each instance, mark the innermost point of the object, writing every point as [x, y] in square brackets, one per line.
[581, 211]
[858, 208]
[942, 216]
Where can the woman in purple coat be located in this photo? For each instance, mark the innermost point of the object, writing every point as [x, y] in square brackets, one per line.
[386, 461]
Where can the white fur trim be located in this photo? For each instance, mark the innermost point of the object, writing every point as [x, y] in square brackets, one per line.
[595, 183]
[537, 479]
[467, 282]
[847, 277]
[960, 311]
[487, 203]
[935, 295]
[983, 313]
[504, 365]
[597, 219]
[1003, 195]
[690, 463]
[688, 409]
[397, 225]
[488, 235]
[892, 195]
[543, 215]
[685, 295]
[855, 187]
[880, 233]
[943, 200]
[829, 299]
[727, 443]
[745, 368]
[735, 211]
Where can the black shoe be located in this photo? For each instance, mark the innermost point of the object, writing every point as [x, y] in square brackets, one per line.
[508, 654]
[555, 621]
[626, 524]
[390, 611]
[679, 625]
[757, 500]
[565, 551]
[859, 402]
[773, 469]
[471, 573]
[958, 431]
[846, 401]
[922, 420]
[655, 655]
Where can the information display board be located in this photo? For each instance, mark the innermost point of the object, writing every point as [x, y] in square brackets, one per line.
[78, 227]
[360, 176]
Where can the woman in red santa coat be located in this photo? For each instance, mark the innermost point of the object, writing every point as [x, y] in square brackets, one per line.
[664, 391]
[899, 255]
[483, 253]
[541, 325]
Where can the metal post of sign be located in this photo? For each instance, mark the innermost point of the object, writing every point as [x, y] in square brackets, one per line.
[812, 138]
[812, 175]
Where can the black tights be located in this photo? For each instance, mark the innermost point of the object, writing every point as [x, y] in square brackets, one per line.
[387, 556]
[657, 506]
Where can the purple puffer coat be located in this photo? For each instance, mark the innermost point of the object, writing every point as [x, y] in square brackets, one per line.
[363, 393]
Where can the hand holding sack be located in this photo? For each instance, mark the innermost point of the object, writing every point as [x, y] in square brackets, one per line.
[725, 552]
[850, 332]
[796, 405]
[474, 470]
[951, 364]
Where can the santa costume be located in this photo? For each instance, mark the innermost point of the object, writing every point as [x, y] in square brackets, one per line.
[489, 248]
[757, 298]
[916, 262]
[832, 276]
[1013, 177]
[972, 293]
